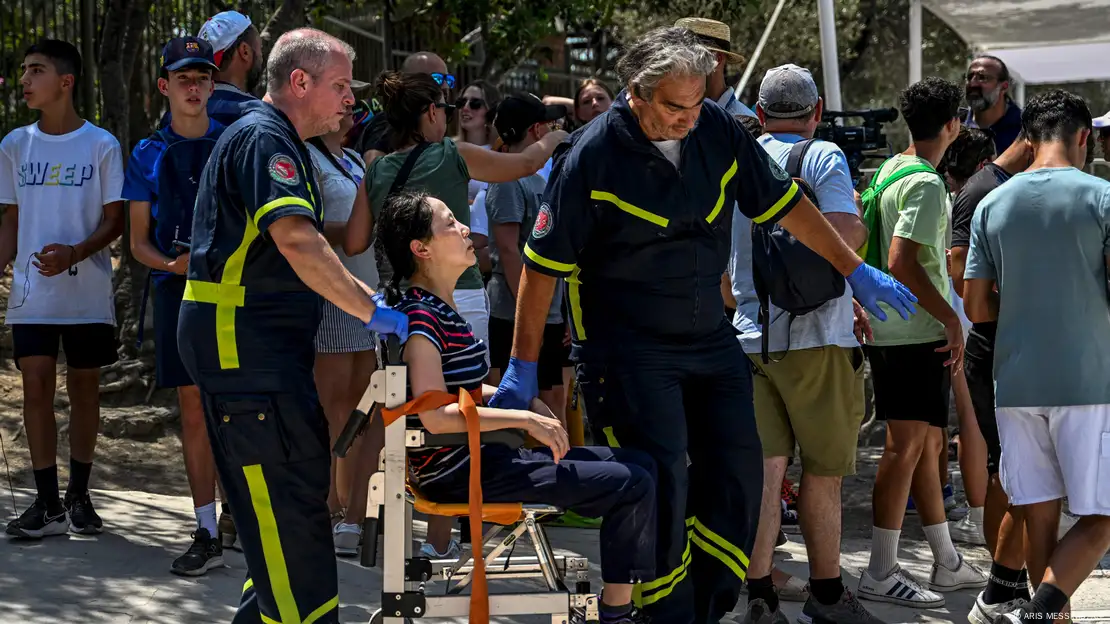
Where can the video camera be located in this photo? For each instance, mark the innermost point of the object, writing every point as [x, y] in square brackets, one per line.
[854, 141]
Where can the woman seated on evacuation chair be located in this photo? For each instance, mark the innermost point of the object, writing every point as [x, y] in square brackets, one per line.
[428, 250]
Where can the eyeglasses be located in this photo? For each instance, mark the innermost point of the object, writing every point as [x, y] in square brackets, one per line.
[441, 78]
[474, 103]
[962, 112]
[448, 108]
[981, 77]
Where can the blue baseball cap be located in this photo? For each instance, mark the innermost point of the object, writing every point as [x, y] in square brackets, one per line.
[182, 52]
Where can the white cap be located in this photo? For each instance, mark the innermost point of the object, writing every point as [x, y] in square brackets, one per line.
[222, 30]
[1101, 122]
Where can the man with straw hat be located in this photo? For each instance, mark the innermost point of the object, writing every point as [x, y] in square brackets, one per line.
[718, 38]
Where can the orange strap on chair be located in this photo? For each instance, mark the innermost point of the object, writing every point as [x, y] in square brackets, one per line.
[479, 595]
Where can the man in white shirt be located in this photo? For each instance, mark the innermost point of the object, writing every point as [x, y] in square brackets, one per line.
[61, 181]
[809, 390]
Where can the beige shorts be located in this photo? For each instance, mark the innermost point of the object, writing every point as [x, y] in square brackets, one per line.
[814, 398]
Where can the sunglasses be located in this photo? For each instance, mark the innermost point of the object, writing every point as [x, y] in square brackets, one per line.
[448, 108]
[962, 112]
[441, 78]
[474, 103]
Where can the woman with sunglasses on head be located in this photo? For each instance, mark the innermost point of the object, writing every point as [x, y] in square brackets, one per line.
[418, 114]
[429, 250]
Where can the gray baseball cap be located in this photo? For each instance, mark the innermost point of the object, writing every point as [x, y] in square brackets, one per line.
[788, 91]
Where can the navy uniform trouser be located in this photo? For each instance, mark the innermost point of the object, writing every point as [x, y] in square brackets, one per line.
[690, 408]
[273, 459]
[616, 484]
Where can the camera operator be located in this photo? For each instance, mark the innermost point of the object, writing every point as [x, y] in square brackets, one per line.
[823, 372]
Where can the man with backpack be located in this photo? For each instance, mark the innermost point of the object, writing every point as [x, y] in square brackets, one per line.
[161, 185]
[906, 210]
[808, 382]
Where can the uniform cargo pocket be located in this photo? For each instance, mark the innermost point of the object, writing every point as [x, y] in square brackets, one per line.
[249, 431]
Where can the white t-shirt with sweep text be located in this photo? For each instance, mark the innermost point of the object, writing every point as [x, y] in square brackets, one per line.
[60, 184]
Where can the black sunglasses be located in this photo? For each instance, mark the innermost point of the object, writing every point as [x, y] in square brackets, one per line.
[441, 78]
[448, 108]
[474, 103]
[962, 112]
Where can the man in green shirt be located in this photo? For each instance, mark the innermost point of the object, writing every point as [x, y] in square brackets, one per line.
[912, 360]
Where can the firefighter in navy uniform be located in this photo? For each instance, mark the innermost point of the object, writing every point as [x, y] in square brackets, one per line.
[257, 269]
[637, 217]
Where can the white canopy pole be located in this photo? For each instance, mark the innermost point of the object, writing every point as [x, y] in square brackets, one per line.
[759, 49]
[1019, 90]
[830, 63]
[915, 41]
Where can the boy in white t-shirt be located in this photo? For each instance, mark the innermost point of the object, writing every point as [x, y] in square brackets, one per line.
[60, 185]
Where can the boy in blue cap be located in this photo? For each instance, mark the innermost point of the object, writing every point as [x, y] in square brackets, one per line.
[161, 184]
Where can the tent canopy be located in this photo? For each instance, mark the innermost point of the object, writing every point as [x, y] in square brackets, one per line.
[1041, 41]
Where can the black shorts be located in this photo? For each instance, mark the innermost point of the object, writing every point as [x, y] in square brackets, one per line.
[911, 383]
[553, 355]
[979, 370]
[88, 345]
[169, 372]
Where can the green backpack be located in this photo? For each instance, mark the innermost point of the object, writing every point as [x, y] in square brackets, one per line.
[872, 250]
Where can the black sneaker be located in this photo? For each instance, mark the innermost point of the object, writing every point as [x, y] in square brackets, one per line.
[847, 611]
[205, 554]
[82, 517]
[635, 616]
[36, 523]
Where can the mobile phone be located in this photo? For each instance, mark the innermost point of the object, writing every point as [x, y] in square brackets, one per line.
[182, 244]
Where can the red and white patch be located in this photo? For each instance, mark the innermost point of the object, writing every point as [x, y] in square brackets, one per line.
[544, 222]
[283, 169]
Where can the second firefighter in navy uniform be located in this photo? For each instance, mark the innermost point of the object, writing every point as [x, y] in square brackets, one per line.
[637, 217]
[252, 304]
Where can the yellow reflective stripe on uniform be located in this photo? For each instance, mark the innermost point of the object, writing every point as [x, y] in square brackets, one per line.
[721, 199]
[228, 295]
[249, 584]
[610, 439]
[278, 203]
[663, 586]
[562, 267]
[635, 211]
[774, 210]
[574, 281]
[711, 543]
[271, 544]
[267, 620]
[322, 611]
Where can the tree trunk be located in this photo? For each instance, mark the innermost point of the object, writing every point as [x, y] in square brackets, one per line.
[124, 23]
[290, 15]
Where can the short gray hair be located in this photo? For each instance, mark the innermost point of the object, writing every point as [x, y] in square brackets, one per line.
[662, 52]
[304, 48]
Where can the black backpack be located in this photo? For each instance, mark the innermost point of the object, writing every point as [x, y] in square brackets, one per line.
[787, 273]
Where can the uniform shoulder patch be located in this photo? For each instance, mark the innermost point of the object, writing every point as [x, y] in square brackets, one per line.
[776, 169]
[283, 169]
[544, 221]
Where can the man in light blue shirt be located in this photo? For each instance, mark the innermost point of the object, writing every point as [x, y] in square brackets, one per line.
[811, 392]
[1043, 239]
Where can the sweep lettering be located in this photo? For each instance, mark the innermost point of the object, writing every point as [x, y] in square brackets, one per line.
[57, 174]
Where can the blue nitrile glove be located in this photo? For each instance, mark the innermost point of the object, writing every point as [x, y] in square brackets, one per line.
[387, 321]
[870, 286]
[518, 387]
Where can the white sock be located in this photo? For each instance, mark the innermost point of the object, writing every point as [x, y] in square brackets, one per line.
[975, 514]
[940, 541]
[206, 518]
[884, 552]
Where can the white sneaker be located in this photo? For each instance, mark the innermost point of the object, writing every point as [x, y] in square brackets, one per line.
[429, 551]
[899, 588]
[967, 531]
[1067, 521]
[983, 613]
[347, 538]
[965, 576]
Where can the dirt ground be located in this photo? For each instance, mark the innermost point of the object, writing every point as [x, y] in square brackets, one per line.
[153, 462]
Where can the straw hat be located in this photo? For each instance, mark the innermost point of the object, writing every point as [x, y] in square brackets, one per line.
[713, 34]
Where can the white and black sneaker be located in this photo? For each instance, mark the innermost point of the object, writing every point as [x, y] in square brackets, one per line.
[983, 613]
[205, 553]
[83, 519]
[36, 523]
[898, 588]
